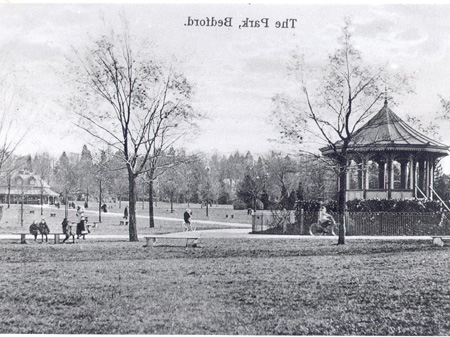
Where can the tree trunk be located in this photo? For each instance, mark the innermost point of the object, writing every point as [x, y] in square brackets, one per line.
[171, 202]
[9, 192]
[42, 203]
[342, 187]
[100, 203]
[150, 204]
[132, 206]
[66, 205]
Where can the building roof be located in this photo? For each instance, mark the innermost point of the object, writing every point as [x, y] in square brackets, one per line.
[388, 132]
[27, 183]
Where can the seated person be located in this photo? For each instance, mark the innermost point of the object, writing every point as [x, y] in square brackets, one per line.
[44, 230]
[34, 229]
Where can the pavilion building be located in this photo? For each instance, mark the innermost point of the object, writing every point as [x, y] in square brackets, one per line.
[28, 188]
[388, 159]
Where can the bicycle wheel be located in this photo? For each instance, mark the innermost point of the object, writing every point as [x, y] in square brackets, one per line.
[334, 229]
[315, 229]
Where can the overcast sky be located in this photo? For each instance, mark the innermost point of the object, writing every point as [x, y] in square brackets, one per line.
[235, 71]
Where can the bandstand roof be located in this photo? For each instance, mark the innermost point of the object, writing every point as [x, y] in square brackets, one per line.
[388, 132]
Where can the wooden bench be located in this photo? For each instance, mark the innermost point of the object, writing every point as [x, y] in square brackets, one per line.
[31, 212]
[123, 223]
[439, 240]
[56, 236]
[53, 215]
[154, 238]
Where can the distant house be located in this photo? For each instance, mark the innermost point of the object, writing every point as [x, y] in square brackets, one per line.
[28, 186]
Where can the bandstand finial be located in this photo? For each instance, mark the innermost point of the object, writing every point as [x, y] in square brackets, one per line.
[385, 95]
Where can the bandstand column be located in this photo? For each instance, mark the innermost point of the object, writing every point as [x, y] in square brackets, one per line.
[416, 178]
[404, 175]
[421, 178]
[427, 178]
[390, 176]
[360, 175]
[365, 182]
[412, 172]
[348, 175]
[431, 178]
[381, 170]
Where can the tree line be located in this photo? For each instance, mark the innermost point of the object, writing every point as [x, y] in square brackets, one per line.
[242, 180]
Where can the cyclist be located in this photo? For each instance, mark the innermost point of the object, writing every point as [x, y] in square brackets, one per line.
[325, 219]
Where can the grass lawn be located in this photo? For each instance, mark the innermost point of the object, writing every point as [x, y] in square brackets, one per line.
[10, 222]
[228, 286]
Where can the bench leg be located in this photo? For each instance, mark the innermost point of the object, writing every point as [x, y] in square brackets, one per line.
[22, 238]
[438, 242]
[148, 242]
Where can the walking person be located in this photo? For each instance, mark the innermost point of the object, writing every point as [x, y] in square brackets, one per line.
[81, 228]
[67, 230]
[34, 229]
[80, 211]
[44, 230]
[187, 219]
[125, 213]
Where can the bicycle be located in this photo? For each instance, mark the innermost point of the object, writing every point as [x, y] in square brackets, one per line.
[317, 228]
[188, 227]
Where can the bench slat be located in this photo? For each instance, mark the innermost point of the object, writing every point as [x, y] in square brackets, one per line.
[154, 237]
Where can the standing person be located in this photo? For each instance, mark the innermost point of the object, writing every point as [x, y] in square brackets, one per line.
[67, 230]
[125, 213]
[44, 230]
[34, 229]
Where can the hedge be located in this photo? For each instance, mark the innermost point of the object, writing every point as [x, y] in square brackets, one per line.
[374, 205]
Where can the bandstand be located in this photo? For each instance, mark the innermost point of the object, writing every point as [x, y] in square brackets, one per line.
[388, 159]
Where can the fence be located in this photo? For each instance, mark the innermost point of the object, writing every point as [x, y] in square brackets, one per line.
[360, 223]
[398, 223]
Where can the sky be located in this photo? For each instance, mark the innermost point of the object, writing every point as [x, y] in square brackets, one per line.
[235, 71]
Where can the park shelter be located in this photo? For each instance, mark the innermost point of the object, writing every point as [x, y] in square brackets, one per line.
[388, 159]
[26, 186]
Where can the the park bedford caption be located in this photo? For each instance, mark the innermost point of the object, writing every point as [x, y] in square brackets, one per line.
[246, 23]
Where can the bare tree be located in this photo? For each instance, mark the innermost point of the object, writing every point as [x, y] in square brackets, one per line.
[131, 102]
[331, 107]
[10, 136]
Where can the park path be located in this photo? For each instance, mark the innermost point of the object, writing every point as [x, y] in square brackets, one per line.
[209, 222]
[243, 233]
